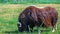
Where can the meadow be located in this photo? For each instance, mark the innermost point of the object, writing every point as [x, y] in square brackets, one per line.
[30, 1]
[9, 17]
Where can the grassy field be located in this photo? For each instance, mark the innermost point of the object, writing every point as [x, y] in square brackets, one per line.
[29, 1]
[9, 16]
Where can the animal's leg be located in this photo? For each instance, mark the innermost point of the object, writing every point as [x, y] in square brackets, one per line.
[54, 25]
[54, 28]
[31, 29]
[26, 28]
[38, 30]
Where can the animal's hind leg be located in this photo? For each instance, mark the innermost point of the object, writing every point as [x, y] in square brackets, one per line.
[54, 25]
[53, 28]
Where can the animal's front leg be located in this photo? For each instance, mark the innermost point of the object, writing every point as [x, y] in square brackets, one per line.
[38, 30]
[26, 28]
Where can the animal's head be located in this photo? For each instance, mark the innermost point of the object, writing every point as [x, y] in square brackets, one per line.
[20, 27]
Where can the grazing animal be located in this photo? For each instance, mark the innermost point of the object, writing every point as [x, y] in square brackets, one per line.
[33, 16]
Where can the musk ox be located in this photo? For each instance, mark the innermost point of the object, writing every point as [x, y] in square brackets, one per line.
[33, 16]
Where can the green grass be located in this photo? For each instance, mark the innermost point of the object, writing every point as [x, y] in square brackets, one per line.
[9, 17]
[29, 1]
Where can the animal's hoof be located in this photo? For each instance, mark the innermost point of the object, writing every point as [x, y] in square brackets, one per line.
[53, 30]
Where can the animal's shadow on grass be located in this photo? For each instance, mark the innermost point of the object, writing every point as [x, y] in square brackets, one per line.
[16, 31]
[42, 30]
[11, 31]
